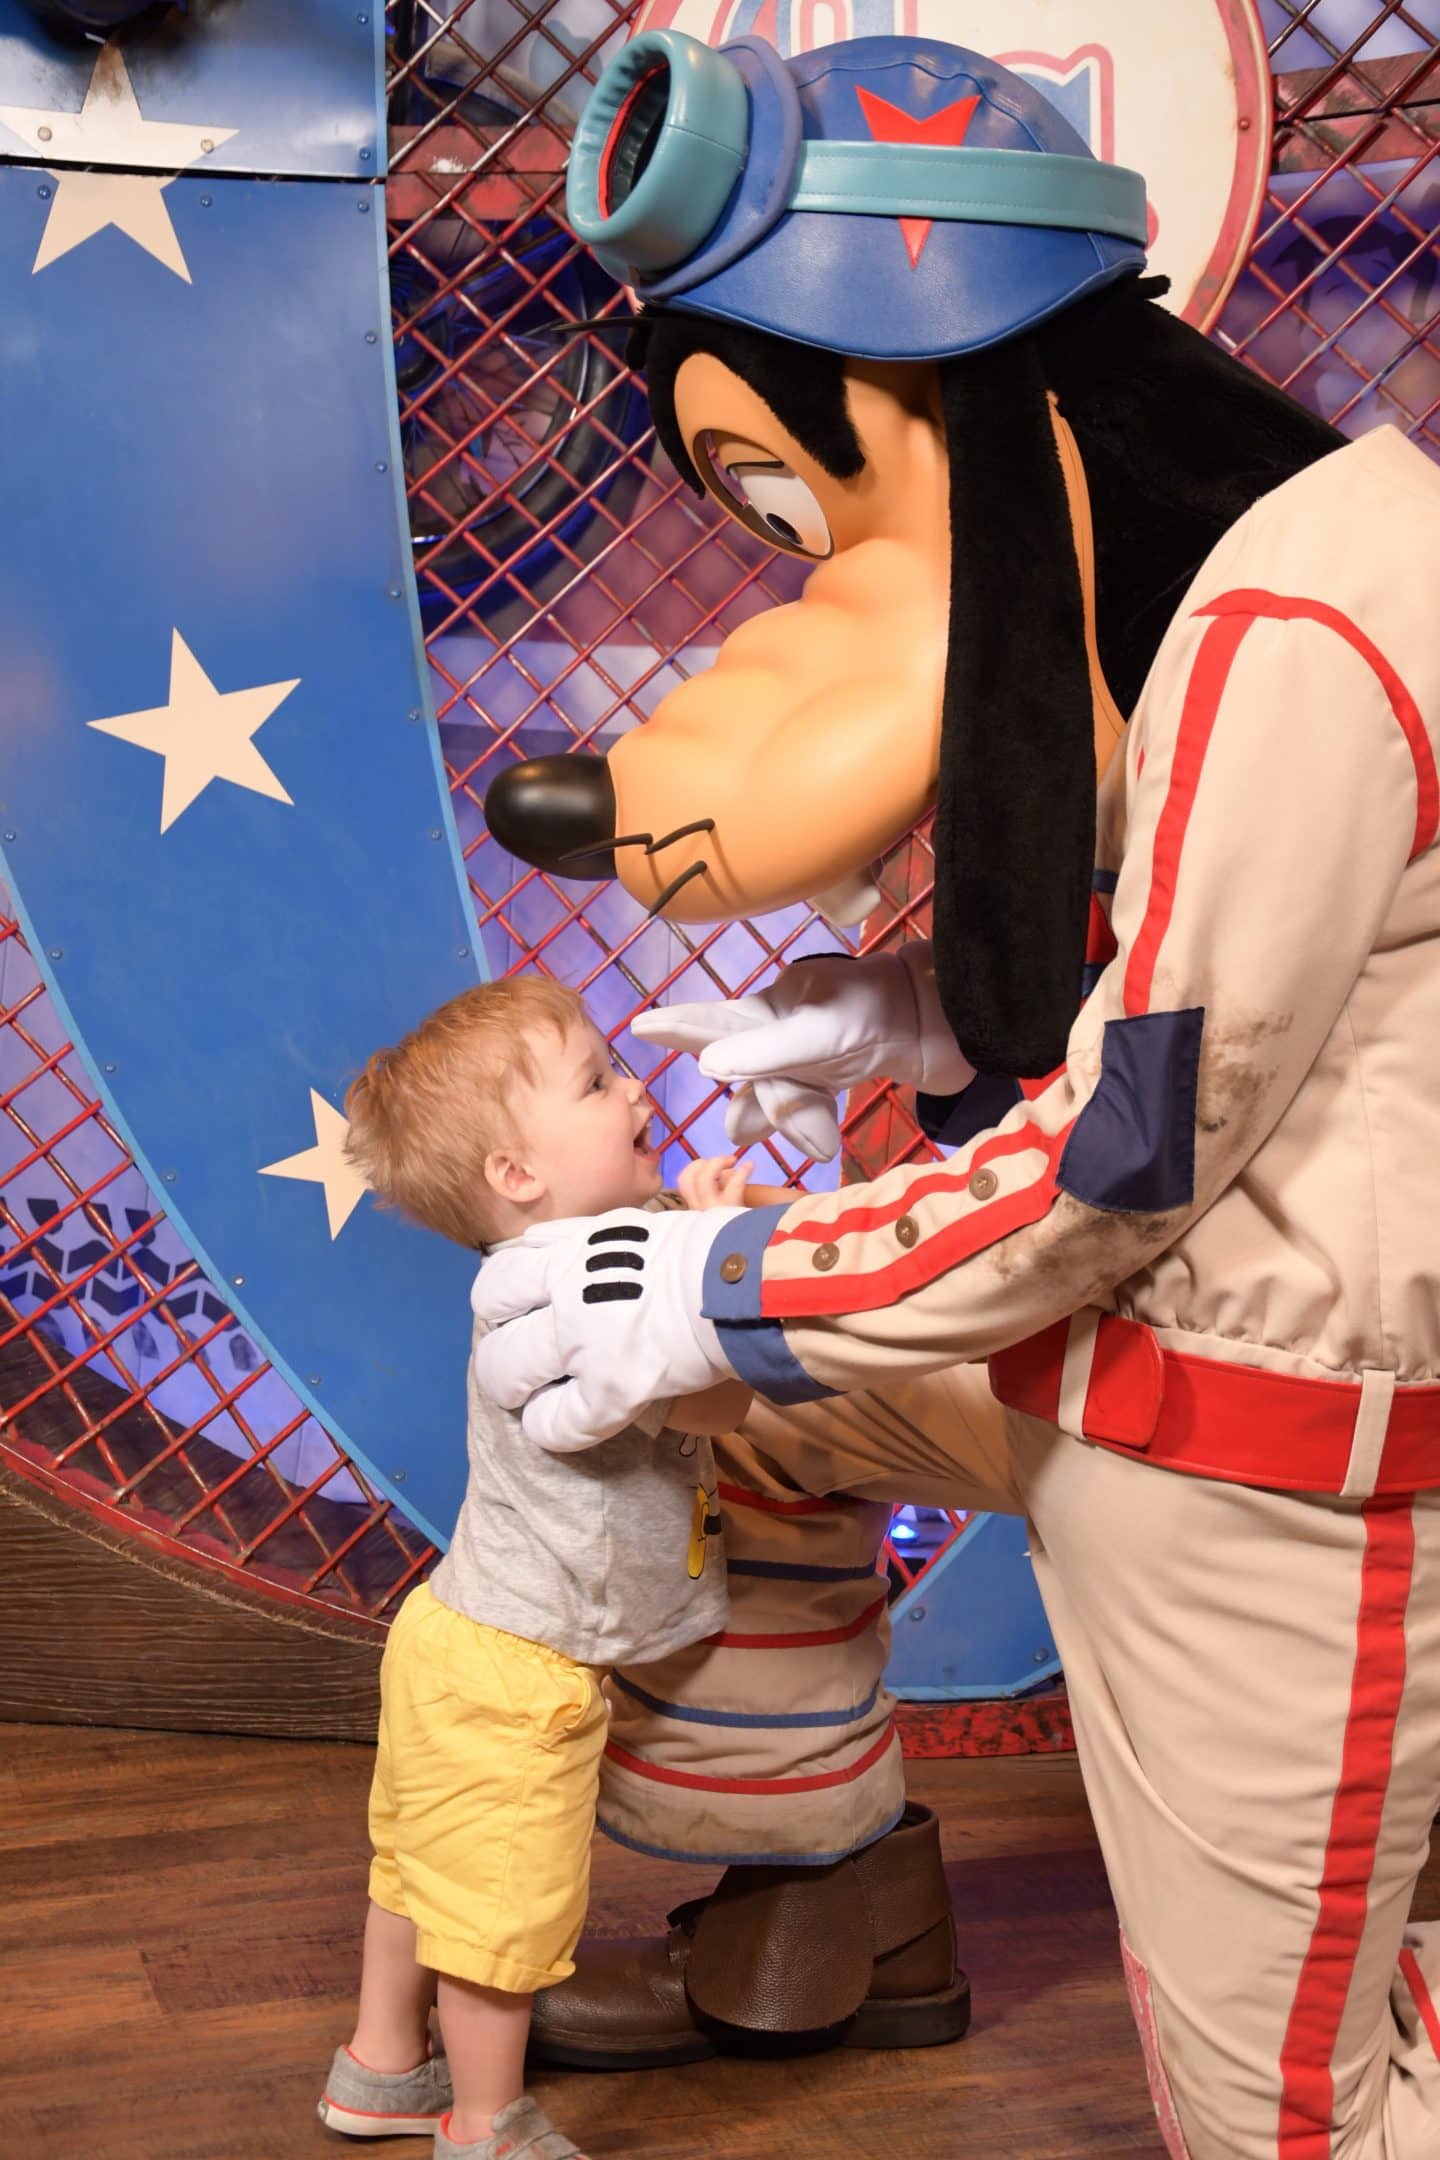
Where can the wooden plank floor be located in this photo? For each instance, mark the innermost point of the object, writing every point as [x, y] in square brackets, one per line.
[179, 1920]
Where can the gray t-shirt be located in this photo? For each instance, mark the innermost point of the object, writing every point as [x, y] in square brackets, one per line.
[611, 1555]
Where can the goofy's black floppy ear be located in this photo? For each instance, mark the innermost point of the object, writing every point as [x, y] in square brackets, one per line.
[1015, 803]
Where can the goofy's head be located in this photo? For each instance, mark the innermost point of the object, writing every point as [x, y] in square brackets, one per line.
[894, 322]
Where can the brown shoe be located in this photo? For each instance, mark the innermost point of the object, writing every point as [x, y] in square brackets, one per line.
[857, 1954]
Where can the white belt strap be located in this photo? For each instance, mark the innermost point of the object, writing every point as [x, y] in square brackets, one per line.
[1075, 1373]
[1372, 1422]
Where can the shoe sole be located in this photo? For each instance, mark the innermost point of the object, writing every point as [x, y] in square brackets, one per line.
[564, 2051]
[352, 2123]
[913, 2022]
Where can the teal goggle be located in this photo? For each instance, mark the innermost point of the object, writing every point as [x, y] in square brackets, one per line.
[666, 135]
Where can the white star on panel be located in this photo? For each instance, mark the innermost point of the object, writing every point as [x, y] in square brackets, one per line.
[203, 734]
[111, 129]
[87, 202]
[326, 1164]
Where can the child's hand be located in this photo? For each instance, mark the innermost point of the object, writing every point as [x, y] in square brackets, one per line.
[713, 1181]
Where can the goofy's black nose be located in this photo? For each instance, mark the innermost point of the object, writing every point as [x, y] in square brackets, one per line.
[557, 813]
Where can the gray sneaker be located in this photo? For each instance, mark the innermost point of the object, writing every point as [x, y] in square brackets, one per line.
[519, 2132]
[384, 2103]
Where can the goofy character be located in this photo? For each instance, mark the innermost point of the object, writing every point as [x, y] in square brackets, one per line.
[893, 319]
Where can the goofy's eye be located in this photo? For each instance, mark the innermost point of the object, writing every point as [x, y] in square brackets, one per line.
[785, 509]
[766, 496]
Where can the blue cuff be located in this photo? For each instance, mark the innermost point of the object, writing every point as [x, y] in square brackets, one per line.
[756, 1348]
[952, 1120]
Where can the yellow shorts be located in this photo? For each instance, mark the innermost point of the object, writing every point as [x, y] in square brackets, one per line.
[482, 1807]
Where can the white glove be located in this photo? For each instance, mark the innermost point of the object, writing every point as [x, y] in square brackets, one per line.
[820, 1027]
[608, 1307]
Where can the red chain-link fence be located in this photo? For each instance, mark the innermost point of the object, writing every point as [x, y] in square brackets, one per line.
[567, 583]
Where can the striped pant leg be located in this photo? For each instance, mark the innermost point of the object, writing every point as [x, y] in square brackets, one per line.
[775, 1742]
[1255, 1682]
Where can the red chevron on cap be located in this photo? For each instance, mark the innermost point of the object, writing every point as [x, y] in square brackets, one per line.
[887, 123]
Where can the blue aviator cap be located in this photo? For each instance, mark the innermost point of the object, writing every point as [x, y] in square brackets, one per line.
[888, 197]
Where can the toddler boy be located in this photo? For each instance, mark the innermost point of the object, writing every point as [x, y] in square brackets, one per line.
[502, 1110]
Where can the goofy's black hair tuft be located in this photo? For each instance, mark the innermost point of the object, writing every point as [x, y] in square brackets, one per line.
[803, 387]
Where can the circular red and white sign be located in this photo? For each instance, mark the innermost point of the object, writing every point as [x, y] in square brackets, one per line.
[1179, 91]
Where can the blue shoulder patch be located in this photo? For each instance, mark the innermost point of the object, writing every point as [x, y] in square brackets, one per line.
[1133, 1146]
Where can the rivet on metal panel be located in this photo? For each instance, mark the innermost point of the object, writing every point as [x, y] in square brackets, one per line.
[364, 157]
[462, 952]
[312, 1379]
[917, 1612]
[1041, 1657]
[169, 1176]
[398, 1476]
[108, 1066]
[372, 337]
[394, 591]
[239, 1281]
[43, 193]
[381, 466]
[43, 134]
[205, 201]
[435, 833]
[9, 836]
[206, 144]
[415, 713]
[363, 205]
[57, 952]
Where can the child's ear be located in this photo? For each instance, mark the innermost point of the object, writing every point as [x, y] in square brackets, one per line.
[511, 1178]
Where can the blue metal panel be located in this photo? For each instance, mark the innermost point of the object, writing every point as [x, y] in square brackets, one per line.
[975, 1630]
[217, 458]
[295, 86]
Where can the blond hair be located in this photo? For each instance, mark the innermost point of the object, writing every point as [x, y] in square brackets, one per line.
[425, 1113]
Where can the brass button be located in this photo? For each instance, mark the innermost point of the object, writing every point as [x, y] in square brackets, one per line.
[983, 1185]
[824, 1256]
[732, 1267]
[907, 1230]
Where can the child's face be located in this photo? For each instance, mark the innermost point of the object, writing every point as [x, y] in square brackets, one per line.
[584, 1128]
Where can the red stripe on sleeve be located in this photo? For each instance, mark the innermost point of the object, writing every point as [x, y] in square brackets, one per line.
[1278, 607]
[797, 1298]
[942, 1178]
[1377, 1687]
[1203, 693]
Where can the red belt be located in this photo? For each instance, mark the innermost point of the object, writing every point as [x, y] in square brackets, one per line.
[1237, 1422]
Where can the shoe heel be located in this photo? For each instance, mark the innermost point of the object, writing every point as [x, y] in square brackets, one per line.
[916, 2021]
